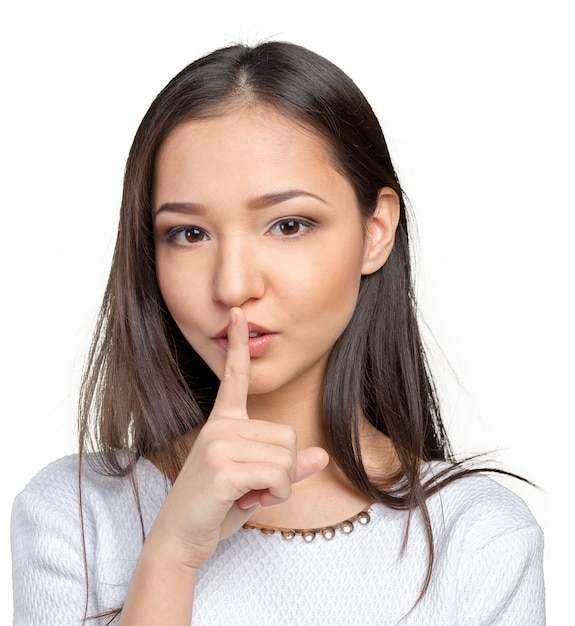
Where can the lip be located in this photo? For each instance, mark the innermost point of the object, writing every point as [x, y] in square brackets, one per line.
[257, 344]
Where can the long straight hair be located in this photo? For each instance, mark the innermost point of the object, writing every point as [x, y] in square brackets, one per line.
[145, 387]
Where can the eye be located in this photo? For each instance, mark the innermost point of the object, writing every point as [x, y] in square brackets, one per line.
[290, 227]
[187, 235]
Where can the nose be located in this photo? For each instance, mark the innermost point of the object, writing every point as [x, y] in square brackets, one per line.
[238, 274]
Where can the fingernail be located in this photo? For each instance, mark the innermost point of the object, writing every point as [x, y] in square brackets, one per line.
[233, 316]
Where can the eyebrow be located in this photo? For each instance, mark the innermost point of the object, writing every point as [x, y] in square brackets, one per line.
[259, 202]
[190, 208]
[270, 199]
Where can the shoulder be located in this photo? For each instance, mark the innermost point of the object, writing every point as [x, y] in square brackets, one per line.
[486, 531]
[72, 521]
[479, 505]
[57, 488]
[491, 546]
[53, 488]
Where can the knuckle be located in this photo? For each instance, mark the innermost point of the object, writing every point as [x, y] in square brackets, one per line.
[285, 459]
[210, 431]
[226, 481]
[233, 370]
[279, 476]
[289, 435]
[215, 452]
[280, 485]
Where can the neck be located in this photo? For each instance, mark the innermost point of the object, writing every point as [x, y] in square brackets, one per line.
[297, 406]
[320, 500]
[328, 496]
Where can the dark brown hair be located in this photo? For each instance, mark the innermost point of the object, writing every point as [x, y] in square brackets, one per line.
[145, 386]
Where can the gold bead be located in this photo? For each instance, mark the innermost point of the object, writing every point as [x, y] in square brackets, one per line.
[328, 532]
[364, 518]
[308, 535]
[346, 527]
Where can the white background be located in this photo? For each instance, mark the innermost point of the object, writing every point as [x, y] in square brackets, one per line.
[476, 102]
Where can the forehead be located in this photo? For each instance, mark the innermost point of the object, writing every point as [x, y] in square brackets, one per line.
[250, 148]
[249, 123]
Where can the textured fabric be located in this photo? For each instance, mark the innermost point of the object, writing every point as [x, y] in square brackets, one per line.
[488, 566]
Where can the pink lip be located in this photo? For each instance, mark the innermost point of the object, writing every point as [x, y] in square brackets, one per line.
[257, 345]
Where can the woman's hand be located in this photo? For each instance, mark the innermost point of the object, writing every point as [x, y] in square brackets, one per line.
[235, 464]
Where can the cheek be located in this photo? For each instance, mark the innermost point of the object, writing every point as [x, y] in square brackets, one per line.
[177, 289]
[330, 287]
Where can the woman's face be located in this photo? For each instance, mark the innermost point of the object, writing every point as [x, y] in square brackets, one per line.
[250, 212]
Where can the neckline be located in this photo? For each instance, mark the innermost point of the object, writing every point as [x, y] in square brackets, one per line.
[328, 532]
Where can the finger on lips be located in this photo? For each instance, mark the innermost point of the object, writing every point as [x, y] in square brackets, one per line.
[261, 441]
[233, 392]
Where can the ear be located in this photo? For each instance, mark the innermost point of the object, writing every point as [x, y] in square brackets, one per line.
[381, 227]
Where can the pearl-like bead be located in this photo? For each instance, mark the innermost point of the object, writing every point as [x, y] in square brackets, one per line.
[328, 532]
[309, 534]
[363, 518]
[346, 527]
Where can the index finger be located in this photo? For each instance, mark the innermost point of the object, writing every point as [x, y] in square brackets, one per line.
[232, 395]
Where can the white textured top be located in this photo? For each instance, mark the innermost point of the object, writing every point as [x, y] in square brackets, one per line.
[488, 567]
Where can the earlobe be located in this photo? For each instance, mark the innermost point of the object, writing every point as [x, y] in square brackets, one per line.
[381, 228]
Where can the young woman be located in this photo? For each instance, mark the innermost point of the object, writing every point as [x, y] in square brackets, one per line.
[260, 437]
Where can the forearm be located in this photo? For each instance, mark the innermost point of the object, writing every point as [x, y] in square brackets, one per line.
[161, 591]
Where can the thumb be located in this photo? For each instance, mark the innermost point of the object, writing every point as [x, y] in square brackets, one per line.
[310, 461]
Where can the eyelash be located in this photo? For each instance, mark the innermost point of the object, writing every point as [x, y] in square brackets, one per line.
[175, 233]
[295, 220]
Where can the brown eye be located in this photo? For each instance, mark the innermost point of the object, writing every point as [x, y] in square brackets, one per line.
[193, 235]
[188, 235]
[290, 227]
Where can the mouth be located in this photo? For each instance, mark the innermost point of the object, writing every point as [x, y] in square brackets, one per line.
[259, 339]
